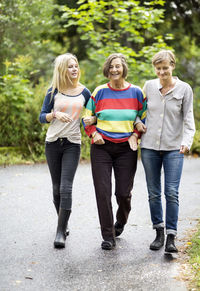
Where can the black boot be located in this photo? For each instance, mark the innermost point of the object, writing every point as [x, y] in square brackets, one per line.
[170, 245]
[57, 207]
[119, 228]
[159, 240]
[61, 228]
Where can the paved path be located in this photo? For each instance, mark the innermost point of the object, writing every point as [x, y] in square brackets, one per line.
[27, 230]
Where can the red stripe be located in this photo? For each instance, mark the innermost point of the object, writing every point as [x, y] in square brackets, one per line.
[140, 106]
[115, 140]
[93, 98]
[129, 103]
[119, 89]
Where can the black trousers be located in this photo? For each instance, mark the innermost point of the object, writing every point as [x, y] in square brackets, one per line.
[120, 158]
[62, 158]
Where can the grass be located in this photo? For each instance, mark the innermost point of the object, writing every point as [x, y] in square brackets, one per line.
[15, 155]
[194, 259]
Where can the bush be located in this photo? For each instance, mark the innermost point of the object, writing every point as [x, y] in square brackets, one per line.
[195, 149]
[20, 105]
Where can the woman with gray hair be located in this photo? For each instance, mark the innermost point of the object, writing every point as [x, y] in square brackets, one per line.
[61, 108]
[168, 134]
[116, 105]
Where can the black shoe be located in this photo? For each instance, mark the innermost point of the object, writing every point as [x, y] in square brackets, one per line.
[108, 244]
[159, 240]
[119, 228]
[57, 207]
[170, 245]
[62, 228]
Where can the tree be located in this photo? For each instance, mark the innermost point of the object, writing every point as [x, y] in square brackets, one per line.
[119, 26]
[182, 19]
[27, 28]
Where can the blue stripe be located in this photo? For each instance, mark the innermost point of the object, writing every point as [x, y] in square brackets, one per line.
[114, 134]
[107, 93]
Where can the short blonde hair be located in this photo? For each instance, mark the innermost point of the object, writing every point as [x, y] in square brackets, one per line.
[60, 73]
[106, 66]
[164, 55]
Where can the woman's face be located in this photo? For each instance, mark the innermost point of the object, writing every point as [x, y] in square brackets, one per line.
[72, 69]
[116, 70]
[164, 70]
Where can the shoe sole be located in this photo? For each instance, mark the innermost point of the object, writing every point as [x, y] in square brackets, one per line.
[155, 248]
[107, 246]
[171, 252]
[59, 245]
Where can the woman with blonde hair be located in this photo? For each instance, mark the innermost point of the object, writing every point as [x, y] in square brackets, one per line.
[62, 108]
[168, 135]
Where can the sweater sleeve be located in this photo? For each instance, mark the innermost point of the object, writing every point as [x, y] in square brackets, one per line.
[89, 111]
[87, 95]
[142, 109]
[47, 105]
[188, 118]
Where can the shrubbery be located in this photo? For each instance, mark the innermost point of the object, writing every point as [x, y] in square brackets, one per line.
[21, 135]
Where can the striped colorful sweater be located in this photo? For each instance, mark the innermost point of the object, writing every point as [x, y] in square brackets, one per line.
[116, 111]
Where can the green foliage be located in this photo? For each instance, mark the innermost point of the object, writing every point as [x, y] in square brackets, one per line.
[85, 147]
[28, 28]
[195, 149]
[19, 111]
[15, 94]
[126, 27]
[194, 253]
[34, 32]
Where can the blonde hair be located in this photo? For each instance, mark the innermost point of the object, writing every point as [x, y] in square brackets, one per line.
[106, 66]
[60, 73]
[164, 55]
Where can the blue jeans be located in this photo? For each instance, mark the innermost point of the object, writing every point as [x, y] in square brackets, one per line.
[172, 163]
[62, 159]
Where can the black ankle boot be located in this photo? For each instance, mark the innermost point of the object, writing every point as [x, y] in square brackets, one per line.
[57, 207]
[119, 228]
[61, 228]
[159, 240]
[170, 245]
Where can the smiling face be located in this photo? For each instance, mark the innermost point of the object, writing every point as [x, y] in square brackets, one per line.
[116, 70]
[164, 70]
[72, 69]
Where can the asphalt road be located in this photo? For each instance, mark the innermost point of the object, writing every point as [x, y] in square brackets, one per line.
[27, 230]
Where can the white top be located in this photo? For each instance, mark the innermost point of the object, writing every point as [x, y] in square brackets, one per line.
[73, 106]
[169, 120]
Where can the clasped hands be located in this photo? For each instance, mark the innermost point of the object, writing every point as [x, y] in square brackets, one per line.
[64, 117]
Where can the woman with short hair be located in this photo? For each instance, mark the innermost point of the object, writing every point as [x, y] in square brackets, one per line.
[116, 105]
[168, 135]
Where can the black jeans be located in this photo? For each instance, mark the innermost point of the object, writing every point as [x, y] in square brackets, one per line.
[62, 158]
[120, 158]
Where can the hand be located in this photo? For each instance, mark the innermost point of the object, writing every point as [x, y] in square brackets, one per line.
[98, 139]
[89, 120]
[141, 127]
[133, 142]
[184, 149]
[64, 117]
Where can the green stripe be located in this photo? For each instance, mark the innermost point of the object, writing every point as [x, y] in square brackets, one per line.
[90, 104]
[117, 115]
